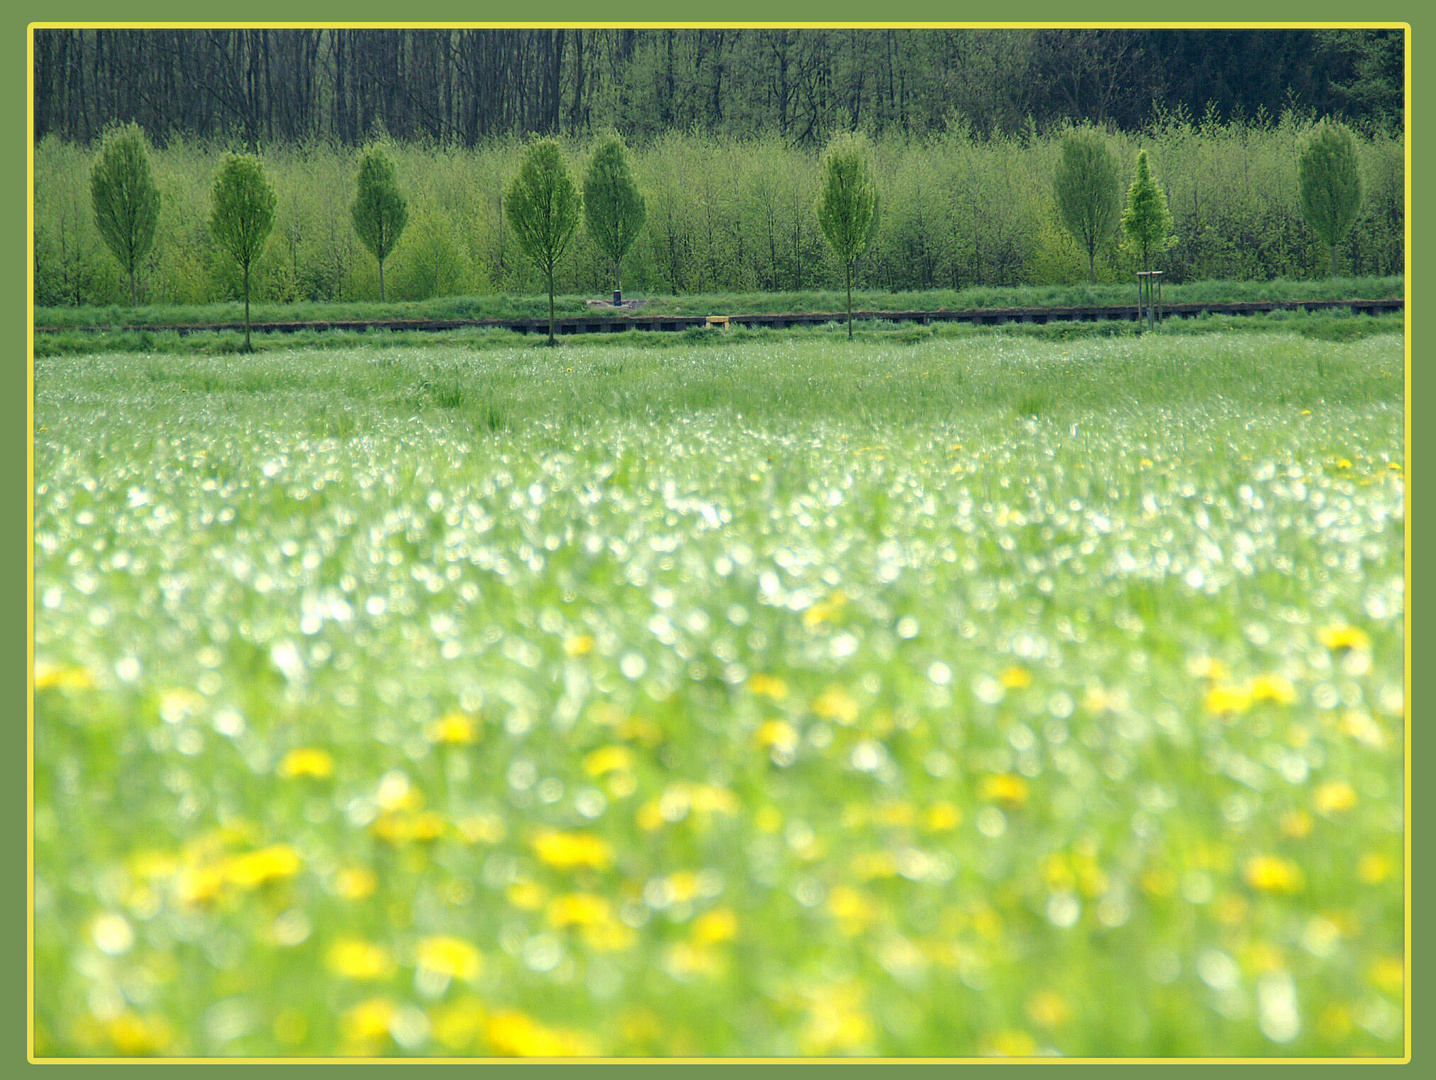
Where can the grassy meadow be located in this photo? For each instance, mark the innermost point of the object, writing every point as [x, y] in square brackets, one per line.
[944, 697]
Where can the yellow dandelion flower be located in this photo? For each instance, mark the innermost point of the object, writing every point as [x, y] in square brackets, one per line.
[715, 926]
[1373, 869]
[1015, 1044]
[836, 704]
[256, 868]
[853, 910]
[355, 883]
[768, 686]
[578, 909]
[369, 1020]
[456, 1026]
[1005, 788]
[526, 894]
[825, 610]
[607, 759]
[778, 734]
[1337, 638]
[1394, 466]
[941, 817]
[1275, 688]
[578, 645]
[1272, 873]
[307, 761]
[62, 676]
[1296, 824]
[454, 727]
[407, 828]
[683, 885]
[199, 884]
[568, 850]
[514, 1034]
[768, 820]
[1048, 1009]
[649, 817]
[1015, 677]
[451, 957]
[1343, 463]
[1389, 974]
[352, 958]
[139, 1036]
[1334, 797]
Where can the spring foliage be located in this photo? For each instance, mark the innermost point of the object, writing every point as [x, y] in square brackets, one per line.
[126, 201]
[1088, 192]
[543, 208]
[1331, 190]
[243, 216]
[613, 207]
[848, 206]
[1147, 221]
[380, 211]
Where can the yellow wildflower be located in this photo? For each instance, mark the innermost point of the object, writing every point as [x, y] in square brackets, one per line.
[768, 686]
[62, 676]
[854, 911]
[256, 868]
[404, 828]
[778, 734]
[1389, 974]
[824, 610]
[1334, 797]
[1007, 788]
[1272, 873]
[1017, 1044]
[454, 727]
[578, 645]
[139, 1036]
[715, 926]
[568, 850]
[307, 761]
[835, 703]
[1015, 678]
[355, 883]
[1273, 688]
[526, 894]
[1344, 463]
[1372, 869]
[1205, 667]
[515, 1034]
[578, 909]
[607, 759]
[450, 957]
[942, 817]
[1228, 700]
[368, 1021]
[397, 793]
[1339, 637]
[355, 959]
[837, 1022]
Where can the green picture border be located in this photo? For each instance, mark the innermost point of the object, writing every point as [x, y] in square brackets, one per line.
[15, 278]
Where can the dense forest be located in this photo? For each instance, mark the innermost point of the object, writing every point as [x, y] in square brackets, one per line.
[265, 86]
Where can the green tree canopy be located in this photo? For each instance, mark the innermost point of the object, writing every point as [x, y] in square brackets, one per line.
[1088, 191]
[1330, 184]
[380, 211]
[242, 217]
[126, 201]
[613, 207]
[543, 208]
[848, 205]
[1147, 221]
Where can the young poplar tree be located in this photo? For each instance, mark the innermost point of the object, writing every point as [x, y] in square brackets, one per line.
[126, 201]
[1330, 184]
[380, 211]
[1147, 221]
[543, 207]
[1088, 192]
[613, 208]
[847, 206]
[242, 217]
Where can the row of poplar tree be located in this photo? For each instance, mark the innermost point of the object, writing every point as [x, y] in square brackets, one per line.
[544, 206]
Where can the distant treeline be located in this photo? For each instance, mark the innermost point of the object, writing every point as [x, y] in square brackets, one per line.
[725, 214]
[265, 86]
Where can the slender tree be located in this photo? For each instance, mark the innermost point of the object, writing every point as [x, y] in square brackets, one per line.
[613, 207]
[1147, 221]
[126, 201]
[1330, 184]
[380, 211]
[242, 217]
[847, 206]
[1088, 192]
[543, 207]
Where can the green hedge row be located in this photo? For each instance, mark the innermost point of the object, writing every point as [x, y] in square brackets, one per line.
[724, 215]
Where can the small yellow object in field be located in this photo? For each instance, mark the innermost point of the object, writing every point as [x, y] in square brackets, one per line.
[359, 960]
[607, 759]
[307, 761]
[579, 645]
[720, 321]
[569, 850]
[768, 686]
[1228, 700]
[1006, 788]
[450, 956]
[1016, 678]
[454, 727]
[1337, 638]
[1276, 688]
[1272, 873]
[1334, 797]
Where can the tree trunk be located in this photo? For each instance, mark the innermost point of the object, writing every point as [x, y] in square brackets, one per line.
[848, 273]
[132, 285]
[618, 280]
[1333, 260]
[246, 307]
[551, 339]
[1092, 266]
[381, 281]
